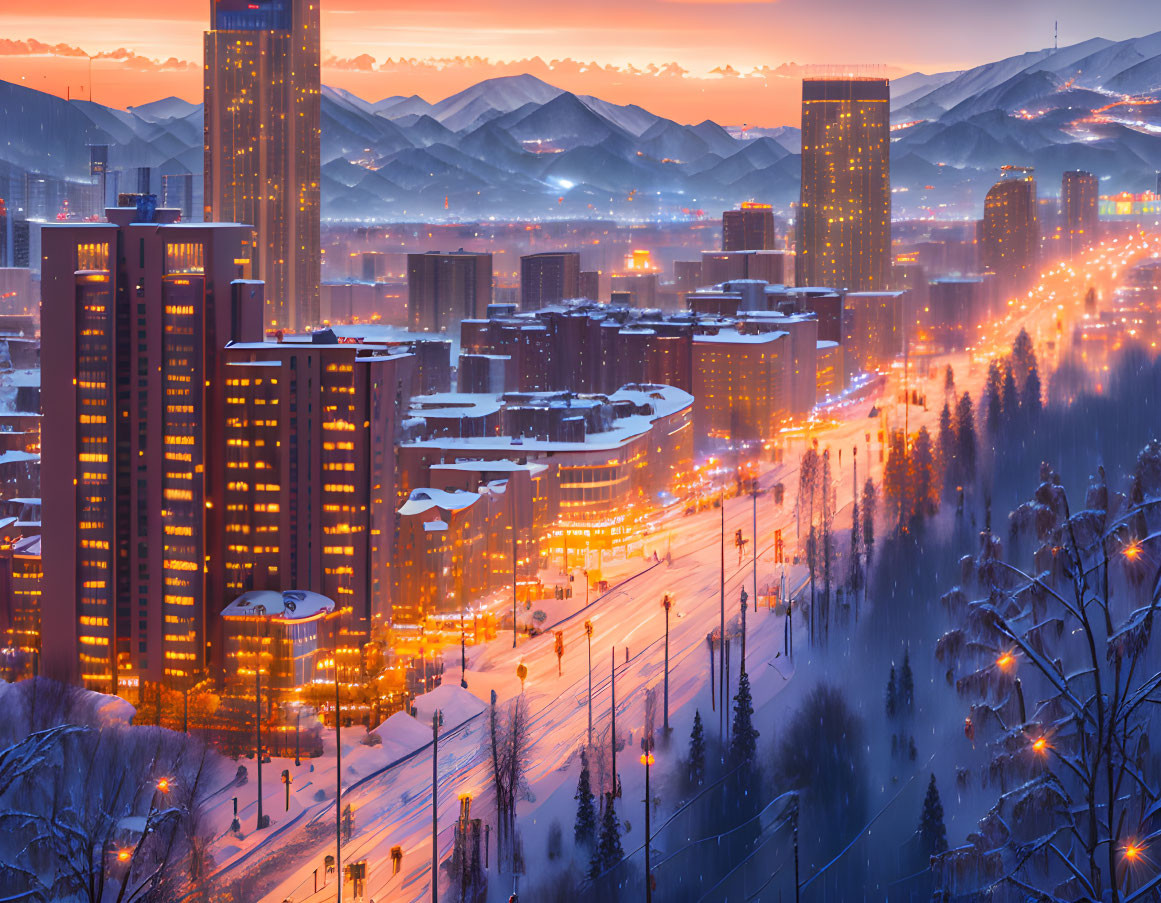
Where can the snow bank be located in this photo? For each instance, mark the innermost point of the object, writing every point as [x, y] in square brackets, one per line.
[401, 734]
[456, 703]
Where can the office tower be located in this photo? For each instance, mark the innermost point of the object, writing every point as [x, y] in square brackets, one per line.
[177, 193]
[1010, 234]
[749, 228]
[99, 170]
[549, 278]
[310, 430]
[443, 289]
[262, 113]
[1078, 200]
[589, 285]
[135, 313]
[844, 214]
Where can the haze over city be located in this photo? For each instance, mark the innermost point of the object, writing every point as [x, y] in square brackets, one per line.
[677, 451]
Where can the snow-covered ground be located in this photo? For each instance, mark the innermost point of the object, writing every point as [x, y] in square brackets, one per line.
[389, 786]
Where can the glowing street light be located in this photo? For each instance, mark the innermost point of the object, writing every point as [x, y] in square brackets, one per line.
[1040, 746]
[124, 854]
[163, 785]
[1005, 661]
[1134, 851]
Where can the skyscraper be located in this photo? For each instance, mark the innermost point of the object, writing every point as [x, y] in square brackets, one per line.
[1078, 200]
[1010, 233]
[135, 312]
[443, 289]
[844, 214]
[262, 111]
[549, 278]
[749, 228]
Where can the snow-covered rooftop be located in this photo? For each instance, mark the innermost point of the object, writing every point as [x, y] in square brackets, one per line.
[733, 337]
[423, 500]
[288, 605]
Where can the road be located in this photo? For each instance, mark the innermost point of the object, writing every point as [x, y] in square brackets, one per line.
[392, 802]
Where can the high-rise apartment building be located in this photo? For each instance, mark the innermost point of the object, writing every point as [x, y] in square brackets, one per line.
[549, 278]
[262, 111]
[443, 289]
[1010, 233]
[1079, 196]
[135, 313]
[844, 213]
[749, 228]
[310, 489]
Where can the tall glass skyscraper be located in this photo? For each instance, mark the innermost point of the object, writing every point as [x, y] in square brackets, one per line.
[262, 110]
[844, 214]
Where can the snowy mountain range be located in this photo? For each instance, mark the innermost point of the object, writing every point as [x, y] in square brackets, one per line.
[519, 147]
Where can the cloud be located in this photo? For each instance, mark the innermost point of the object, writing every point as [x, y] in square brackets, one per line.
[122, 56]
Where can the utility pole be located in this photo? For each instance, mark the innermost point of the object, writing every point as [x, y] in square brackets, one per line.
[435, 806]
[647, 760]
[613, 711]
[742, 666]
[257, 714]
[338, 783]
[755, 539]
[797, 885]
[667, 605]
[722, 600]
[512, 509]
[589, 636]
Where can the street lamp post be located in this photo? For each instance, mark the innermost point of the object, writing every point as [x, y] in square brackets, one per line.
[589, 636]
[647, 760]
[744, 607]
[667, 604]
[463, 653]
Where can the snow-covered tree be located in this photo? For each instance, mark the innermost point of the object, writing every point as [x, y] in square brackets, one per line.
[932, 833]
[696, 763]
[585, 829]
[744, 739]
[906, 684]
[1056, 653]
[1009, 396]
[965, 440]
[508, 744]
[608, 852]
[892, 695]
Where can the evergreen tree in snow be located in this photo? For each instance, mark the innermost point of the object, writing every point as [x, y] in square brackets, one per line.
[924, 475]
[965, 438]
[869, 518]
[744, 742]
[948, 381]
[947, 448]
[608, 852]
[696, 752]
[932, 833]
[585, 830]
[1009, 396]
[906, 684]
[892, 695]
[992, 401]
[1030, 402]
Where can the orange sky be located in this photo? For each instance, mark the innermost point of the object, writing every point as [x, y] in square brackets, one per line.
[687, 59]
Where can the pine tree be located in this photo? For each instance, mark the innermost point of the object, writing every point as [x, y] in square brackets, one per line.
[924, 475]
[1023, 358]
[744, 742]
[948, 381]
[993, 402]
[932, 833]
[947, 448]
[1010, 398]
[896, 479]
[855, 573]
[1030, 402]
[585, 830]
[892, 695]
[869, 518]
[965, 438]
[696, 752]
[608, 852]
[906, 684]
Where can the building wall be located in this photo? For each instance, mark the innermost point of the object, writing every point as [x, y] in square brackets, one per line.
[135, 315]
[844, 215]
[738, 387]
